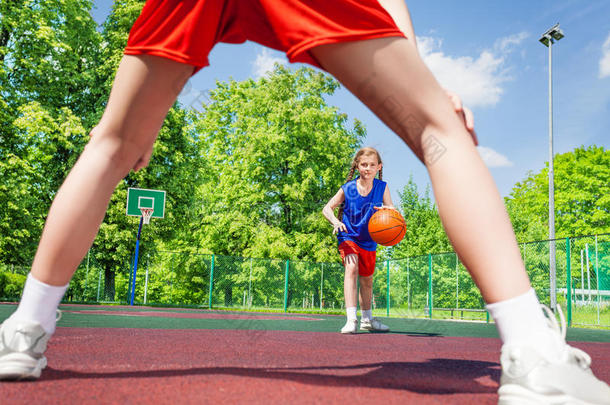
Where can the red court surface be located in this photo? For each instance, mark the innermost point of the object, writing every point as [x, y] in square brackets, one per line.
[205, 366]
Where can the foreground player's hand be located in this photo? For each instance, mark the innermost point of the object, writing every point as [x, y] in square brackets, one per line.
[144, 159]
[339, 227]
[464, 113]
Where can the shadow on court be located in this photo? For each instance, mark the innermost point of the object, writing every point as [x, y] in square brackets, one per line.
[434, 376]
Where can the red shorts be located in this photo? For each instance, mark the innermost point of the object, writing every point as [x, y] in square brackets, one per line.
[187, 30]
[366, 258]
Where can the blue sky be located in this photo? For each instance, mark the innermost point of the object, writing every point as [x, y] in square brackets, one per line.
[488, 53]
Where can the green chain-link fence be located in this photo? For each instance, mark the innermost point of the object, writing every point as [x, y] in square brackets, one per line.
[427, 286]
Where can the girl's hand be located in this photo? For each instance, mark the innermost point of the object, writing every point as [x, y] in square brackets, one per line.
[464, 113]
[339, 227]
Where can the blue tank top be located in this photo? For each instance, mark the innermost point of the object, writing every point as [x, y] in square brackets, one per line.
[357, 211]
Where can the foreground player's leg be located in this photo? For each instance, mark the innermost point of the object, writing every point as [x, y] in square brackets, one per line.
[144, 90]
[392, 80]
[368, 322]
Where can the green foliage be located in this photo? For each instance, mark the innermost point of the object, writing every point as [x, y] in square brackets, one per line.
[11, 285]
[425, 233]
[33, 172]
[274, 154]
[47, 53]
[582, 197]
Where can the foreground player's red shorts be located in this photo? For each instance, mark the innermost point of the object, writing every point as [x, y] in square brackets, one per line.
[187, 30]
[366, 258]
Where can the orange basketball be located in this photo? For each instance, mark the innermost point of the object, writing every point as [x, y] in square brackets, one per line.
[387, 227]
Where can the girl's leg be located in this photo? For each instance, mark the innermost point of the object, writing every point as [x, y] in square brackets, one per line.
[144, 89]
[350, 280]
[366, 293]
[367, 322]
[392, 80]
[350, 288]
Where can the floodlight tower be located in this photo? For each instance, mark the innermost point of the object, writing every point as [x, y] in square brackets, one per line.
[548, 39]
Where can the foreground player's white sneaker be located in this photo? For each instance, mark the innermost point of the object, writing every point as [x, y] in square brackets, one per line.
[373, 325]
[528, 378]
[350, 326]
[22, 345]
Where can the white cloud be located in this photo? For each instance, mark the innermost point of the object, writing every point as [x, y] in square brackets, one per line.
[604, 62]
[505, 44]
[477, 80]
[264, 62]
[493, 158]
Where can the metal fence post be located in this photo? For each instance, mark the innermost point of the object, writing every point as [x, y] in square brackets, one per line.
[86, 275]
[457, 282]
[286, 285]
[99, 283]
[211, 282]
[569, 282]
[146, 282]
[388, 293]
[250, 286]
[597, 277]
[430, 285]
[408, 287]
[322, 287]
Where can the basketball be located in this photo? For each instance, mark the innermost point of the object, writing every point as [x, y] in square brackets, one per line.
[387, 227]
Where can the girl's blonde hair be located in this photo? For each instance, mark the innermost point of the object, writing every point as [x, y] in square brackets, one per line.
[366, 151]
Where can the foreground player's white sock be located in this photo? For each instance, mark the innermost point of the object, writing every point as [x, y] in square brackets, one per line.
[351, 313]
[367, 314]
[39, 303]
[521, 321]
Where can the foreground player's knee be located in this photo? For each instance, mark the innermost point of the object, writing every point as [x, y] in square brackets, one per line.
[121, 154]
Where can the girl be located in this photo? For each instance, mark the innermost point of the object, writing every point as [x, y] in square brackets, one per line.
[369, 46]
[358, 199]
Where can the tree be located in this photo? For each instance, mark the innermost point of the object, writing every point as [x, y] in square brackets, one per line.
[47, 50]
[425, 233]
[274, 152]
[47, 53]
[582, 197]
[32, 175]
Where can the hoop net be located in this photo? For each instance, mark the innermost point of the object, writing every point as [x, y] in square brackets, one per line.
[146, 214]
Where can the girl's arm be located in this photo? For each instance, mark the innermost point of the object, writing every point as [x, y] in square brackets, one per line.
[387, 199]
[329, 213]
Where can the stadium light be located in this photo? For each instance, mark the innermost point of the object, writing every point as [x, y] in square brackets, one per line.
[551, 35]
[548, 39]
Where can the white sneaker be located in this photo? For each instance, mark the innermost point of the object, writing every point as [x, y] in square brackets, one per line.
[373, 325]
[528, 378]
[22, 345]
[350, 326]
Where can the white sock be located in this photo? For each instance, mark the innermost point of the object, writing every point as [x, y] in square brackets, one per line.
[39, 303]
[367, 314]
[351, 313]
[521, 321]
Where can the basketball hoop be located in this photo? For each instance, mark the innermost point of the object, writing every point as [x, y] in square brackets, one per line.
[146, 214]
